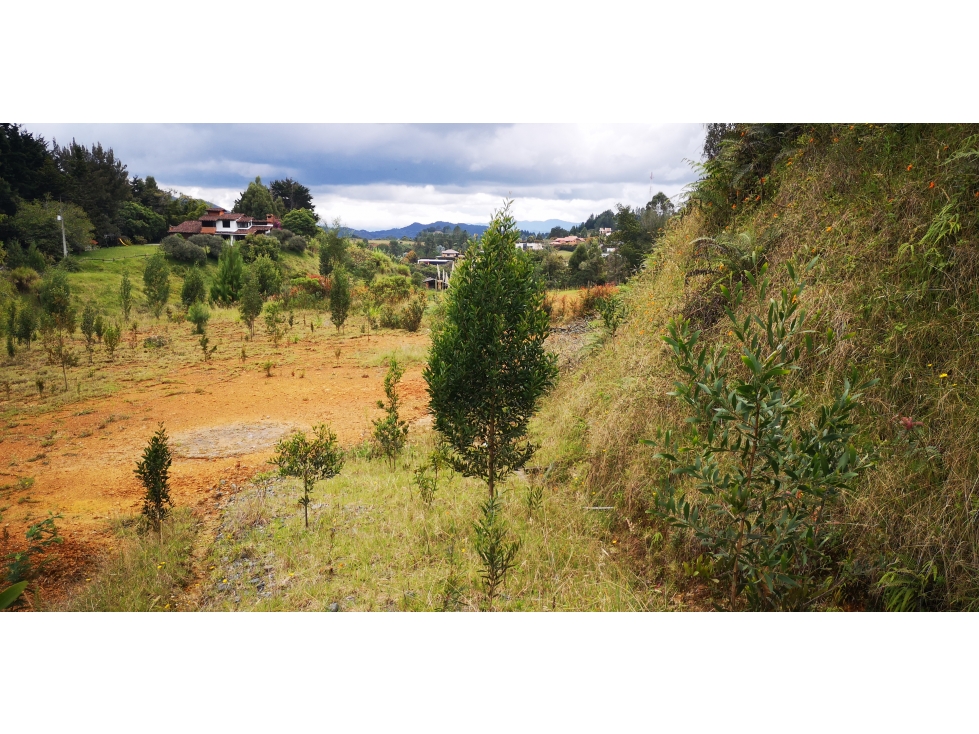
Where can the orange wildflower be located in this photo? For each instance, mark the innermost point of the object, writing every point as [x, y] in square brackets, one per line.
[910, 166]
[931, 185]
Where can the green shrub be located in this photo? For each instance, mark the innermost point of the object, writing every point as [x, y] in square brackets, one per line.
[24, 278]
[230, 276]
[255, 246]
[764, 485]
[309, 460]
[194, 288]
[176, 247]
[391, 433]
[156, 283]
[199, 314]
[153, 472]
[267, 274]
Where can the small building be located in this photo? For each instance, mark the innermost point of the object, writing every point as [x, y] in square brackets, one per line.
[451, 254]
[604, 231]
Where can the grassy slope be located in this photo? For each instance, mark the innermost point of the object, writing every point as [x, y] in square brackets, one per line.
[102, 272]
[371, 545]
[852, 196]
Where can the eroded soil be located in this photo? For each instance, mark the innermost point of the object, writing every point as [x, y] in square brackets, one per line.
[223, 418]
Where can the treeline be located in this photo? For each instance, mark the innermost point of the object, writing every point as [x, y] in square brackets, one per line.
[88, 187]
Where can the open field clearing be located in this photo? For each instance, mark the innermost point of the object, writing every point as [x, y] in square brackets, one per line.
[72, 452]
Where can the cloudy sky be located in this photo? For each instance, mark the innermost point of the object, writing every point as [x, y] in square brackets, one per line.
[390, 175]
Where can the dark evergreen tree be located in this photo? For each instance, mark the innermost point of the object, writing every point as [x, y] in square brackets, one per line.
[154, 473]
[487, 367]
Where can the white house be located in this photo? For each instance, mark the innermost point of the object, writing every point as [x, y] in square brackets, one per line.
[230, 225]
[604, 231]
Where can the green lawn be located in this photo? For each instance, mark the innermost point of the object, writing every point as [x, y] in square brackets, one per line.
[102, 272]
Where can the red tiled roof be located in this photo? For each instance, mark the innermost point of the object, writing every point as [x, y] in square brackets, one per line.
[192, 226]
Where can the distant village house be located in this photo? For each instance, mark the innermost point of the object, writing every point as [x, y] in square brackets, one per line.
[229, 225]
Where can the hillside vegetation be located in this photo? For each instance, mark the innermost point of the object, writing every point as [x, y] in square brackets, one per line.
[886, 217]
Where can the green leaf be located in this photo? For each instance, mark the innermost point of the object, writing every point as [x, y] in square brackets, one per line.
[9, 595]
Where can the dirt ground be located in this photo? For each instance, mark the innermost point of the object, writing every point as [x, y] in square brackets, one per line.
[222, 418]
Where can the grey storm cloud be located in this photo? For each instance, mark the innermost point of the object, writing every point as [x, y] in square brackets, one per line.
[352, 154]
[398, 168]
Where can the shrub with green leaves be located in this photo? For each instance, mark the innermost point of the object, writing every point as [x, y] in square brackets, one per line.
[156, 283]
[309, 459]
[110, 338]
[487, 368]
[176, 247]
[274, 322]
[199, 314]
[194, 289]
[230, 275]
[390, 432]
[25, 325]
[153, 472]
[251, 301]
[126, 296]
[255, 246]
[339, 297]
[268, 275]
[613, 312]
[764, 484]
[88, 328]
[40, 536]
[493, 545]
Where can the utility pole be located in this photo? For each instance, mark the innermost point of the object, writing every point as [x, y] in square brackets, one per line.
[64, 242]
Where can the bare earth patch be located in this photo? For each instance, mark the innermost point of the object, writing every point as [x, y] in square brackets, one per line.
[234, 439]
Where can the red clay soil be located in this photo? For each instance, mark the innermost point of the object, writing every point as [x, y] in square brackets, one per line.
[87, 473]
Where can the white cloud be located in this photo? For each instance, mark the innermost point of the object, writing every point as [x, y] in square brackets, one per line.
[379, 176]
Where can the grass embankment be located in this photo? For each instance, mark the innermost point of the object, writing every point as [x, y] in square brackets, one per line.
[892, 214]
[373, 544]
[102, 270]
[146, 572]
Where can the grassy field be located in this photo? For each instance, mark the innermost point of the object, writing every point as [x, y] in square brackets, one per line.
[372, 545]
[102, 272]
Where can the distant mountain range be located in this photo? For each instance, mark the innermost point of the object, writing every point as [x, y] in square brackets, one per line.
[414, 228]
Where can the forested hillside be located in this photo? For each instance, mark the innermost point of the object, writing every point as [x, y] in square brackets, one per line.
[787, 417]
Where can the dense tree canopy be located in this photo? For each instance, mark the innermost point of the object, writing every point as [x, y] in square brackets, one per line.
[256, 201]
[136, 220]
[27, 170]
[301, 221]
[292, 194]
[95, 180]
[36, 222]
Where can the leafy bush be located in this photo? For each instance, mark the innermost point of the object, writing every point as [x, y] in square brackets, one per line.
[255, 246]
[194, 289]
[613, 312]
[229, 278]
[212, 244]
[300, 221]
[24, 278]
[281, 234]
[764, 485]
[390, 433]
[496, 552]
[268, 275]
[274, 322]
[295, 244]
[40, 536]
[199, 314]
[250, 303]
[153, 472]
[156, 282]
[176, 247]
[71, 264]
[310, 460]
[339, 297]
